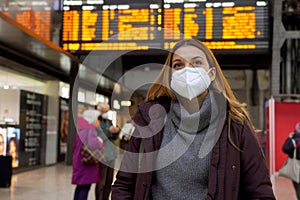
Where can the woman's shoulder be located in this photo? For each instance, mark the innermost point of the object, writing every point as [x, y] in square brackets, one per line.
[155, 108]
[163, 100]
[83, 124]
[242, 129]
[295, 135]
[147, 105]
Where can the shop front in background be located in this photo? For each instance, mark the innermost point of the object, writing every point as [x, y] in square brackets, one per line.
[23, 127]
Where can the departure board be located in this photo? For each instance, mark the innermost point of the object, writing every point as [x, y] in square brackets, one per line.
[236, 26]
[124, 29]
[37, 21]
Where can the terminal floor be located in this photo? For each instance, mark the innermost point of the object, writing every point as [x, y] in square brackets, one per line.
[54, 183]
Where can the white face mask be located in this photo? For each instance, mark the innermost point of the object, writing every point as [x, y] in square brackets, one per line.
[190, 82]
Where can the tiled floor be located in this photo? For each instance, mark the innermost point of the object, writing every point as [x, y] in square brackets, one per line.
[49, 183]
[284, 189]
[54, 183]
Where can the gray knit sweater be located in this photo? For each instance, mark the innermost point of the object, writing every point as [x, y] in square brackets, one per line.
[185, 175]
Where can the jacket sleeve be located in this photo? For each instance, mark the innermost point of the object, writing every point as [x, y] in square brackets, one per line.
[124, 186]
[288, 147]
[93, 141]
[101, 134]
[111, 136]
[255, 179]
[127, 179]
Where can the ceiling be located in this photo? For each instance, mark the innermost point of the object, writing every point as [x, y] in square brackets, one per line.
[40, 59]
[15, 80]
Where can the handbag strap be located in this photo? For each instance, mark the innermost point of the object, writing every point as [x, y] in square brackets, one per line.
[294, 143]
[295, 148]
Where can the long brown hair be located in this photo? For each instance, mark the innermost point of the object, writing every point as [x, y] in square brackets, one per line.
[161, 86]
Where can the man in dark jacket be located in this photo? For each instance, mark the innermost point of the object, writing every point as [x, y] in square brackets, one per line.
[108, 133]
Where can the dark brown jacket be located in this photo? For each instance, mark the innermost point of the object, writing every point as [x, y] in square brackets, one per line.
[233, 174]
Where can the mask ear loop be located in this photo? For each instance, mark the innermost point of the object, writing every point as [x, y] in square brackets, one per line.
[210, 69]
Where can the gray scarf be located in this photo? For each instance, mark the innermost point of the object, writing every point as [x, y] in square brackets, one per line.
[182, 173]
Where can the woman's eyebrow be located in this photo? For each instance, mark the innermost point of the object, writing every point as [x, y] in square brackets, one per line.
[177, 60]
[196, 57]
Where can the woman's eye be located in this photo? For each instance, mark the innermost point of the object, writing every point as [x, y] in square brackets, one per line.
[197, 63]
[177, 65]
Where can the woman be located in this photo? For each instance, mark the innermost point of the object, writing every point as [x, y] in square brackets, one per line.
[85, 174]
[288, 148]
[214, 153]
[13, 151]
[2, 143]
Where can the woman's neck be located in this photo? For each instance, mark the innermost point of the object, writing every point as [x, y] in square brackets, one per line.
[193, 105]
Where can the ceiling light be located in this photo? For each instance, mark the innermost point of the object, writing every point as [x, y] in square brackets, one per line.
[261, 3]
[116, 105]
[125, 103]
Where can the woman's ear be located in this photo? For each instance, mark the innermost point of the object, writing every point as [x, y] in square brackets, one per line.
[212, 73]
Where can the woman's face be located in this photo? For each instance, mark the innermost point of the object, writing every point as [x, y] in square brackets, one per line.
[189, 56]
[12, 148]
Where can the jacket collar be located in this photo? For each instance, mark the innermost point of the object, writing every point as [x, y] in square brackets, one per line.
[154, 113]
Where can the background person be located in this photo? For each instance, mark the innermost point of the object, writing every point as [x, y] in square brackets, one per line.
[65, 126]
[2, 153]
[187, 103]
[85, 174]
[288, 148]
[125, 133]
[108, 133]
[13, 151]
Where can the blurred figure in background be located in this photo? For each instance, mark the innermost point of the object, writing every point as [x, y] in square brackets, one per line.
[65, 126]
[108, 133]
[1, 145]
[288, 148]
[126, 132]
[13, 151]
[85, 174]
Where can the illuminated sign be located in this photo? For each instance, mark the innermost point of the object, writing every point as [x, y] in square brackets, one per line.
[239, 25]
[37, 21]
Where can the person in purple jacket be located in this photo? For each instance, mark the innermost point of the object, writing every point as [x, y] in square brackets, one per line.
[85, 174]
[193, 139]
[288, 148]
